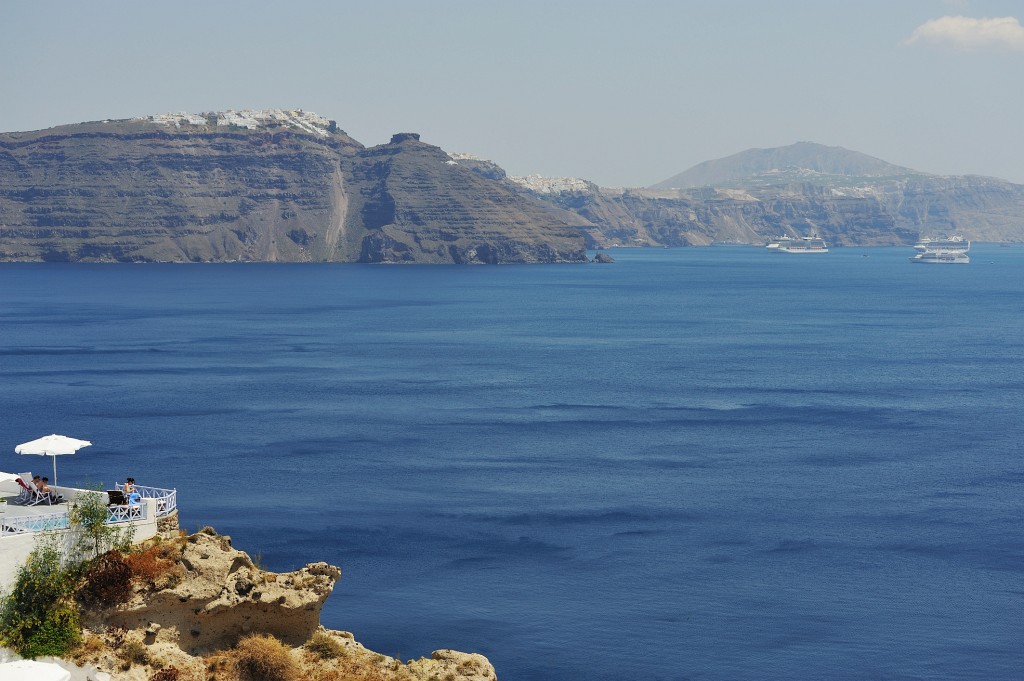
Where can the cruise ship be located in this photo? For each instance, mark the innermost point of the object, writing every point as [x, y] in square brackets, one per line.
[949, 251]
[805, 244]
[943, 257]
[954, 242]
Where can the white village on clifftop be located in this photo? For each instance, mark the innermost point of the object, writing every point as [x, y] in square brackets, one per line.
[250, 119]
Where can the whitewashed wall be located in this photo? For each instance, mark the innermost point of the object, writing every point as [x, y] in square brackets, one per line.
[14, 548]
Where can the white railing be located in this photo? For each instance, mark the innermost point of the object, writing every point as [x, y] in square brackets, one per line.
[36, 523]
[127, 513]
[59, 520]
[166, 499]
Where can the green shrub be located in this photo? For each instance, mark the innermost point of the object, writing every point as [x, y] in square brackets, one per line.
[39, 616]
[58, 633]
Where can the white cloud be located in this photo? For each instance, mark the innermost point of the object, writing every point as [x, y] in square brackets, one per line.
[968, 33]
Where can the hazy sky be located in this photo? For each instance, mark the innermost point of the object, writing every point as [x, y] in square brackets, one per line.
[619, 93]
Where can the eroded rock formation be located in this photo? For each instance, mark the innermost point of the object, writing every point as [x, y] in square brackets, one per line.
[209, 596]
[221, 595]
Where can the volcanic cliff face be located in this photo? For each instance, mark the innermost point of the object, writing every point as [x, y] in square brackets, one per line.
[846, 197]
[413, 203]
[888, 214]
[199, 190]
[137, 191]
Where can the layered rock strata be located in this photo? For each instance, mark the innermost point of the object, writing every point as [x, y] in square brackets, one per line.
[146, 190]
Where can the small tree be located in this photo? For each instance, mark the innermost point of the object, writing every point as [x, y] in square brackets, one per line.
[88, 517]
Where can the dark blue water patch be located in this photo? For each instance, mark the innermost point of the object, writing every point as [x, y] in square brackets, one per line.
[952, 494]
[794, 546]
[45, 351]
[520, 549]
[600, 517]
[140, 371]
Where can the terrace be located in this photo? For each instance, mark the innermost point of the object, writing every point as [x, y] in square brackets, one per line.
[19, 524]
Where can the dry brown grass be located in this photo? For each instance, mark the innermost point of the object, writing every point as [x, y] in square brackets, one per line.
[264, 658]
[363, 667]
[169, 674]
[90, 650]
[151, 565]
[326, 647]
[258, 658]
[133, 652]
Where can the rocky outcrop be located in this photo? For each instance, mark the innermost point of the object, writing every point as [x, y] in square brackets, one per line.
[410, 203]
[221, 595]
[211, 596]
[141, 191]
[482, 167]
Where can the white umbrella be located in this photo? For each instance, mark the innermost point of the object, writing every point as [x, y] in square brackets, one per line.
[52, 446]
[30, 670]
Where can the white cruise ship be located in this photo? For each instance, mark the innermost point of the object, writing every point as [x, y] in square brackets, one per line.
[949, 251]
[942, 257]
[805, 244]
[954, 242]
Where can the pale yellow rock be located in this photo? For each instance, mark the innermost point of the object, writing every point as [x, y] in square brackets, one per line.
[463, 666]
[218, 597]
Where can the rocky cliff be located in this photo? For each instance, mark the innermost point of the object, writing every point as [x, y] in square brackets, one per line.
[263, 186]
[411, 202]
[848, 198]
[209, 612]
[290, 186]
[695, 218]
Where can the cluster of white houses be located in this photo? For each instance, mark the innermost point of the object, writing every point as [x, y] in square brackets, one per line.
[251, 119]
[552, 185]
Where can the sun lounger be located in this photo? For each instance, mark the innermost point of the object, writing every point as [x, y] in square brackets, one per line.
[29, 495]
[25, 490]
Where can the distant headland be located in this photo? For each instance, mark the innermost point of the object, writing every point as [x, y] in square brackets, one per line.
[275, 185]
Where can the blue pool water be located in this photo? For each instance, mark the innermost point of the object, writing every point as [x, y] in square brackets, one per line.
[691, 464]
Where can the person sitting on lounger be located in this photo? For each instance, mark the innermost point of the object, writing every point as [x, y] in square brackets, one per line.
[44, 489]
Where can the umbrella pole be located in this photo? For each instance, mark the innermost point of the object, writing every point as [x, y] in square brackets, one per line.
[54, 470]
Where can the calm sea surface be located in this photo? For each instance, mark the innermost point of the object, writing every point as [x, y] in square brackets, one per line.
[692, 464]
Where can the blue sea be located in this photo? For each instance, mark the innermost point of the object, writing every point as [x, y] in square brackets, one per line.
[717, 463]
